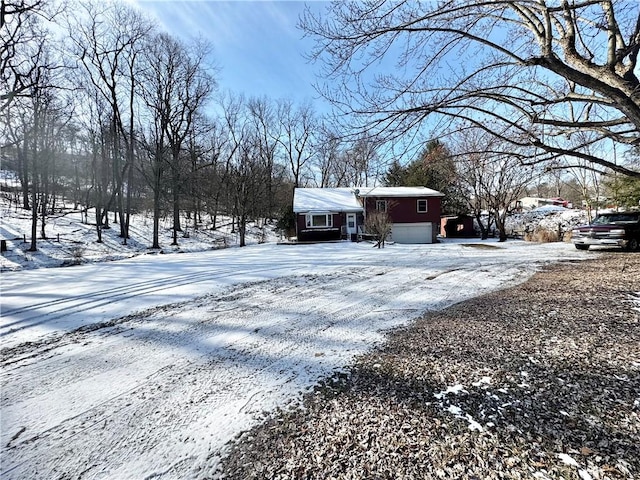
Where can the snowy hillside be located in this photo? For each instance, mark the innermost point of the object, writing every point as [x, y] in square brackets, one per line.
[70, 240]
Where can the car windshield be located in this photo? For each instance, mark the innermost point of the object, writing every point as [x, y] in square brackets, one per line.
[616, 218]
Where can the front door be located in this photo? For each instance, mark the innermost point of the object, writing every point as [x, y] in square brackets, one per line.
[351, 224]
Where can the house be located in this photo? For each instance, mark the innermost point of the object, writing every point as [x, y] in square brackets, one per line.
[529, 203]
[324, 214]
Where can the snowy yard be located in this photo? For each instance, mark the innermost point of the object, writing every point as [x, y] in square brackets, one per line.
[147, 367]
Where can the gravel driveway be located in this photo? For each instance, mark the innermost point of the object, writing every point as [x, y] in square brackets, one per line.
[541, 380]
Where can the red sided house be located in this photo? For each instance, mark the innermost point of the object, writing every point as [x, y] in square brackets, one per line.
[324, 214]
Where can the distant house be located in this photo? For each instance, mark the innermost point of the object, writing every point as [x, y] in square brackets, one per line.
[529, 203]
[324, 214]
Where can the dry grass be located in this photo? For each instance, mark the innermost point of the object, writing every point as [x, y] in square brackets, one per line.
[545, 235]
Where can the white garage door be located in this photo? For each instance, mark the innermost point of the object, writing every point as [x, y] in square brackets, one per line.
[411, 232]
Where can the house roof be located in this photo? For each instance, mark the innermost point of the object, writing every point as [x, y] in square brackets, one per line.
[399, 192]
[345, 199]
[325, 200]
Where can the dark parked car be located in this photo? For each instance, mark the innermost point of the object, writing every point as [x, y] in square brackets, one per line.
[619, 229]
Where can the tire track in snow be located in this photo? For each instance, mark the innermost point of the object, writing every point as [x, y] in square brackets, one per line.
[47, 369]
[175, 376]
[87, 302]
[36, 349]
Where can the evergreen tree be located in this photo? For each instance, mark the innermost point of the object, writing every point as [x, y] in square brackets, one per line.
[622, 189]
[435, 169]
[396, 175]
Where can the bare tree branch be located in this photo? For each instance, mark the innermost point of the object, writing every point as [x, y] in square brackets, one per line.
[518, 64]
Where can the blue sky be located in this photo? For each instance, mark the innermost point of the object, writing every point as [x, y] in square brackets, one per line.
[256, 44]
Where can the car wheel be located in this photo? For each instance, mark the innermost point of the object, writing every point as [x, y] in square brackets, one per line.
[632, 245]
[582, 247]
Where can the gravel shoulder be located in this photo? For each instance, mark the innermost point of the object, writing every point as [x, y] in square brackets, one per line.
[541, 380]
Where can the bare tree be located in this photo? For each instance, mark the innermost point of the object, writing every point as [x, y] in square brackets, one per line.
[94, 115]
[27, 68]
[379, 225]
[20, 34]
[202, 152]
[249, 187]
[327, 157]
[174, 87]
[588, 184]
[227, 141]
[48, 116]
[155, 160]
[32, 103]
[262, 115]
[297, 126]
[178, 75]
[360, 162]
[492, 176]
[15, 127]
[107, 39]
[519, 67]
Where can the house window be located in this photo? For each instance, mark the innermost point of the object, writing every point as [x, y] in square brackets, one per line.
[319, 221]
[381, 205]
[422, 206]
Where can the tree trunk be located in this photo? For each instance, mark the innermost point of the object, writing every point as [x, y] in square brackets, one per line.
[99, 233]
[502, 231]
[156, 220]
[127, 217]
[34, 215]
[24, 164]
[44, 195]
[130, 153]
[157, 181]
[242, 229]
[99, 217]
[175, 180]
[176, 204]
[484, 231]
[76, 192]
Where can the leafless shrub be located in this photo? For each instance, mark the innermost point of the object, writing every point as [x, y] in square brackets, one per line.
[77, 254]
[379, 225]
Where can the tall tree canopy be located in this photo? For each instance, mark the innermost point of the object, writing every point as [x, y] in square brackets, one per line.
[22, 35]
[531, 72]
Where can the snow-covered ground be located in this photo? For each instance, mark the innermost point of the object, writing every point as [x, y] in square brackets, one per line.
[145, 367]
[71, 237]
